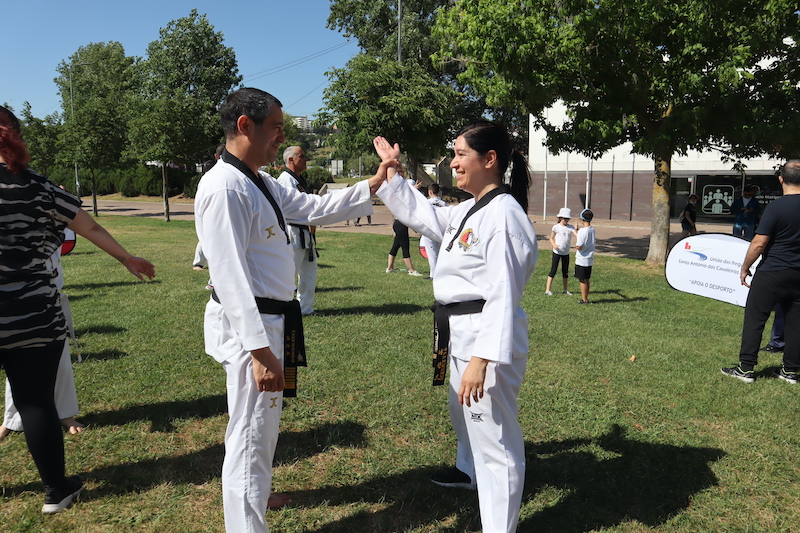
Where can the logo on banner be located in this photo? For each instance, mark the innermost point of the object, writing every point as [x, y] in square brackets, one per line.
[717, 199]
[701, 256]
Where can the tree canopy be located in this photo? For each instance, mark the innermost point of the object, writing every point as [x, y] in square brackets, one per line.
[665, 76]
[187, 73]
[371, 96]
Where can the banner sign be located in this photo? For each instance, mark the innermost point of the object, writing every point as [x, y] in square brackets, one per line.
[69, 241]
[709, 265]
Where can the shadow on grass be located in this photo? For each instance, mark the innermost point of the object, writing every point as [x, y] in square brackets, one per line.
[632, 480]
[92, 286]
[647, 482]
[614, 296]
[385, 309]
[296, 445]
[205, 465]
[99, 330]
[160, 415]
[103, 355]
[338, 289]
[629, 247]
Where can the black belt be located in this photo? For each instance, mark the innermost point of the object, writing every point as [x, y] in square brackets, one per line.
[312, 252]
[441, 332]
[294, 345]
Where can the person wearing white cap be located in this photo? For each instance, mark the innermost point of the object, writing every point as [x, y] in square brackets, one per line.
[560, 237]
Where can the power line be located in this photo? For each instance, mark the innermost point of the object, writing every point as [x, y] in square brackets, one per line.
[296, 62]
[307, 94]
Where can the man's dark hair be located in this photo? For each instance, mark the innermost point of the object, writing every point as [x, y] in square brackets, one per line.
[255, 104]
[434, 188]
[790, 172]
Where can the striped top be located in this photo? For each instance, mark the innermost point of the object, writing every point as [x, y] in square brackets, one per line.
[33, 215]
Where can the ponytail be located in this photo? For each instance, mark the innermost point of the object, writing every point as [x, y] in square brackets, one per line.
[12, 148]
[520, 180]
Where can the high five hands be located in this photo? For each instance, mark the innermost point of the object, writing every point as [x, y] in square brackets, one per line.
[390, 163]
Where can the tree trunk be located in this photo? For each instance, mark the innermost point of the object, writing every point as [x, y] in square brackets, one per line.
[94, 191]
[165, 185]
[659, 226]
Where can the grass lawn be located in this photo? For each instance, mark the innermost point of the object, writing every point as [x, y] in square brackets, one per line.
[662, 443]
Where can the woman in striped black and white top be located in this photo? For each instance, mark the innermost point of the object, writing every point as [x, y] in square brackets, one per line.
[33, 215]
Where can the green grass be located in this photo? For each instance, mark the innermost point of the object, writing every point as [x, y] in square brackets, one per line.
[663, 443]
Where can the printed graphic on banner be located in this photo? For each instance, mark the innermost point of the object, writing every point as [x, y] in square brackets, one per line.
[717, 199]
[708, 265]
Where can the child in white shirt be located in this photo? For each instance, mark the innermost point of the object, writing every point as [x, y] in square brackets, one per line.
[559, 239]
[584, 257]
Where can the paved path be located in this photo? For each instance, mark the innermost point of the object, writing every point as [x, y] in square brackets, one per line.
[621, 238]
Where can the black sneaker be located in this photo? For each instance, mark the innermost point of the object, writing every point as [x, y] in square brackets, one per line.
[58, 499]
[771, 349]
[453, 478]
[789, 377]
[737, 372]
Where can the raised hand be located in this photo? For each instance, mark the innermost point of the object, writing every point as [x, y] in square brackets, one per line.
[385, 150]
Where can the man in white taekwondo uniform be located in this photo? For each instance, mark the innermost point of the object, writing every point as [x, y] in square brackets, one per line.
[240, 219]
[302, 236]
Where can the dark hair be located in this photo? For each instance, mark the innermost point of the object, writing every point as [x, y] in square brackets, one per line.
[790, 172]
[255, 104]
[434, 188]
[483, 136]
[12, 148]
[587, 215]
[693, 196]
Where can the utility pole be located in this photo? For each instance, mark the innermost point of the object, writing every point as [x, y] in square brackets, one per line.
[399, 31]
[72, 106]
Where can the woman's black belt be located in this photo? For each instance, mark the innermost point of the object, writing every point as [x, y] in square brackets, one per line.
[294, 345]
[441, 332]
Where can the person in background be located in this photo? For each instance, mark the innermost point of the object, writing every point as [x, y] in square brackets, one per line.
[302, 236]
[560, 237]
[584, 257]
[689, 217]
[431, 246]
[747, 211]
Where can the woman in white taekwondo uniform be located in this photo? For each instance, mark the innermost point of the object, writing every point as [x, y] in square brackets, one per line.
[241, 222]
[487, 256]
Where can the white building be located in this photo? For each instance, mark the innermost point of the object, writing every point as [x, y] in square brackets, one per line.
[619, 184]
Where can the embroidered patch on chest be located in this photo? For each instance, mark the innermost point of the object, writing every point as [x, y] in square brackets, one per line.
[476, 417]
[467, 240]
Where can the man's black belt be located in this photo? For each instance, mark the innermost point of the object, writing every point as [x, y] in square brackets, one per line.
[294, 345]
[441, 332]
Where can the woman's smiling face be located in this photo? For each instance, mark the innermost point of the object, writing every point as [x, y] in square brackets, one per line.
[473, 171]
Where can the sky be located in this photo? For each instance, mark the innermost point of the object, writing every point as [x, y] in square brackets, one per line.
[282, 47]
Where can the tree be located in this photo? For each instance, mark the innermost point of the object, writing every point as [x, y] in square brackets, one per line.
[93, 82]
[665, 76]
[186, 75]
[41, 136]
[374, 25]
[372, 97]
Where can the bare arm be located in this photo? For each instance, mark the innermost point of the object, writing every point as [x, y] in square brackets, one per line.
[85, 226]
[756, 248]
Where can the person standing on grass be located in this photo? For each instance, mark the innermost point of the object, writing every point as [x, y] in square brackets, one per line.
[302, 236]
[431, 246]
[584, 257]
[560, 237]
[241, 216]
[776, 281]
[487, 256]
[33, 330]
